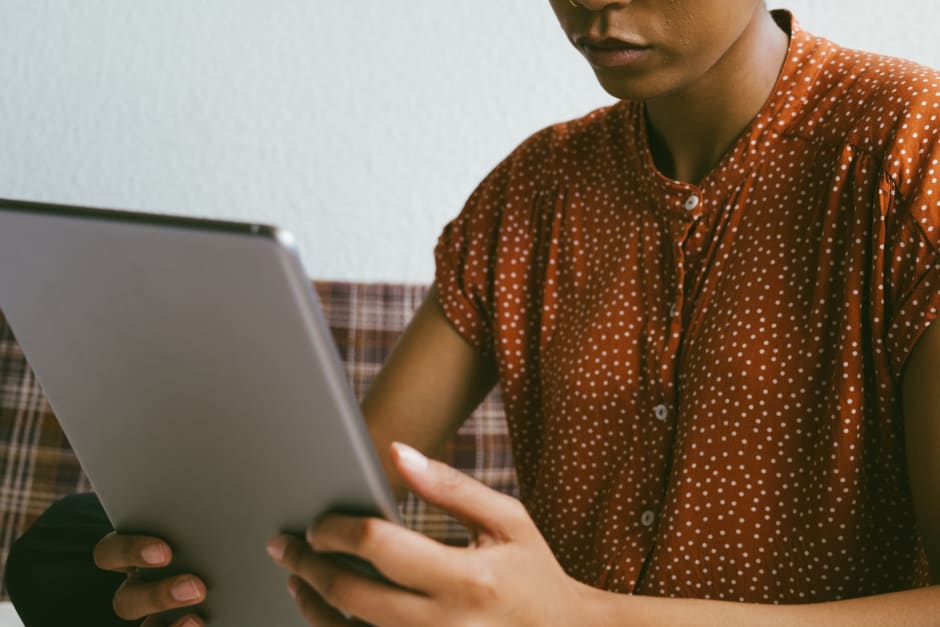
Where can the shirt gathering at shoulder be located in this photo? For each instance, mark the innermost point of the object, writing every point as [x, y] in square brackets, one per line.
[884, 108]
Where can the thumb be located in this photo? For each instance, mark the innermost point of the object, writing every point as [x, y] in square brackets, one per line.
[465, 498]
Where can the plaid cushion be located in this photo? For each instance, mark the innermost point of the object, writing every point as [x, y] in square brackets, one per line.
[365, 320]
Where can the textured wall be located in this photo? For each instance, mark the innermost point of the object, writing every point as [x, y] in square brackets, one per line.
[361, 126]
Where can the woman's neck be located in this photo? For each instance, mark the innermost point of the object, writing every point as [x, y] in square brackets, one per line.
[691, 129]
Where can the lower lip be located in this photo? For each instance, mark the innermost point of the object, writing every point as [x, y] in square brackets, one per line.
[616, 57]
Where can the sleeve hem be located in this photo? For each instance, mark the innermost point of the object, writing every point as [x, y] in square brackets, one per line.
[475, 337]
[466, 316]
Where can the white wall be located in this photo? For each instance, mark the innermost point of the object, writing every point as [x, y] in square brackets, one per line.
[360, 126]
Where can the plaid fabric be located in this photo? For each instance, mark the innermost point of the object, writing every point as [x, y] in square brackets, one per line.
[365, 320]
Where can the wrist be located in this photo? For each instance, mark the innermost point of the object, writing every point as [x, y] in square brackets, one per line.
[597, 607]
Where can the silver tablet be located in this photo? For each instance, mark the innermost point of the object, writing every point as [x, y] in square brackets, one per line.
[190, 366]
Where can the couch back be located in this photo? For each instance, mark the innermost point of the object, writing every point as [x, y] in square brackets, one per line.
[39, 467]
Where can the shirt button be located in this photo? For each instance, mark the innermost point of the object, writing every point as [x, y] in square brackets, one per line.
[647, 518]
[692, 202]
[661, 412]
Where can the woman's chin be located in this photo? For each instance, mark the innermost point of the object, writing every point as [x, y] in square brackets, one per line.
[632, 87]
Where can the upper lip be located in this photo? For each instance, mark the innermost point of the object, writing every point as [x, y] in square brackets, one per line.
[608, 43]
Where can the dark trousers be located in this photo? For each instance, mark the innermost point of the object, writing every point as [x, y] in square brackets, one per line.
[51, 574]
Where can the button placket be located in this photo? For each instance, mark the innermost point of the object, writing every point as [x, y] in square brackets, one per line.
[673, 332]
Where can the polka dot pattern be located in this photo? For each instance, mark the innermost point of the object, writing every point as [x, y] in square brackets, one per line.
[702, 381]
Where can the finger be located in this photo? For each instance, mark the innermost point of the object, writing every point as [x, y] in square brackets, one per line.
[348, 592]
[314, 610]
[119, 552]
[156, 621]
[137, 598]
[190, 620]
[408, 558]
[468, 500]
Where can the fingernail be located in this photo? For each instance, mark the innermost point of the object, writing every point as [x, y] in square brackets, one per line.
[292, 589]
[276, 547]
[154, 553]
[185, 590]
[190, 622]
[411, 458]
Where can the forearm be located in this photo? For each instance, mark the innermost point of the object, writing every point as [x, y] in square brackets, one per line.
[909, 608]
[430, 383]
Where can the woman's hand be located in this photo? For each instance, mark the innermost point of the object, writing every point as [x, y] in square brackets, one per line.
[507, 577]
[136, 599]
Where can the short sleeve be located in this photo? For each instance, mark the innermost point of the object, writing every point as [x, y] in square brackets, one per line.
[487, 249]
[912, 258]
[465, 258]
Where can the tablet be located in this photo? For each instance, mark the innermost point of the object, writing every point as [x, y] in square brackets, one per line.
[192, 371]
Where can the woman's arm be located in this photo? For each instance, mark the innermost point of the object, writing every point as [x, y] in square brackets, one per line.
[921, 395]
[911, 608]
[511, 578]
[921, 401]
[428, 386]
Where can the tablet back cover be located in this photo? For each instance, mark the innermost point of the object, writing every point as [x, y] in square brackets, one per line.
[192, 372]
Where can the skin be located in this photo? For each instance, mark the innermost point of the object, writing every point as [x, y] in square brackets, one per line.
[136, 599]
[509, 576]
[454, 377]
[698, 49]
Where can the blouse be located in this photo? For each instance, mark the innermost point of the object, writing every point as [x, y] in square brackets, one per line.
[702, 381]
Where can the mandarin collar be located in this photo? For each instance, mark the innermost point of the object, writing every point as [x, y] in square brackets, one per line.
[781, 108]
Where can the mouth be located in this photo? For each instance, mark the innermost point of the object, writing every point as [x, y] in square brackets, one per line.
[607, 43]
[611, 52]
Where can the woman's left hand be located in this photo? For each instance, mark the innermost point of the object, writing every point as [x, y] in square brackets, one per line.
[507, 577]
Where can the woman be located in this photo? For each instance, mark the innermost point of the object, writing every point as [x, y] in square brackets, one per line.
[709, 310]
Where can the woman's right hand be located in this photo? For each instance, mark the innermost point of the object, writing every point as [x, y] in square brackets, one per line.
[136, 598]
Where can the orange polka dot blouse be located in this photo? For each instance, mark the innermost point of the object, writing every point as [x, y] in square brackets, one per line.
[702, 381]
